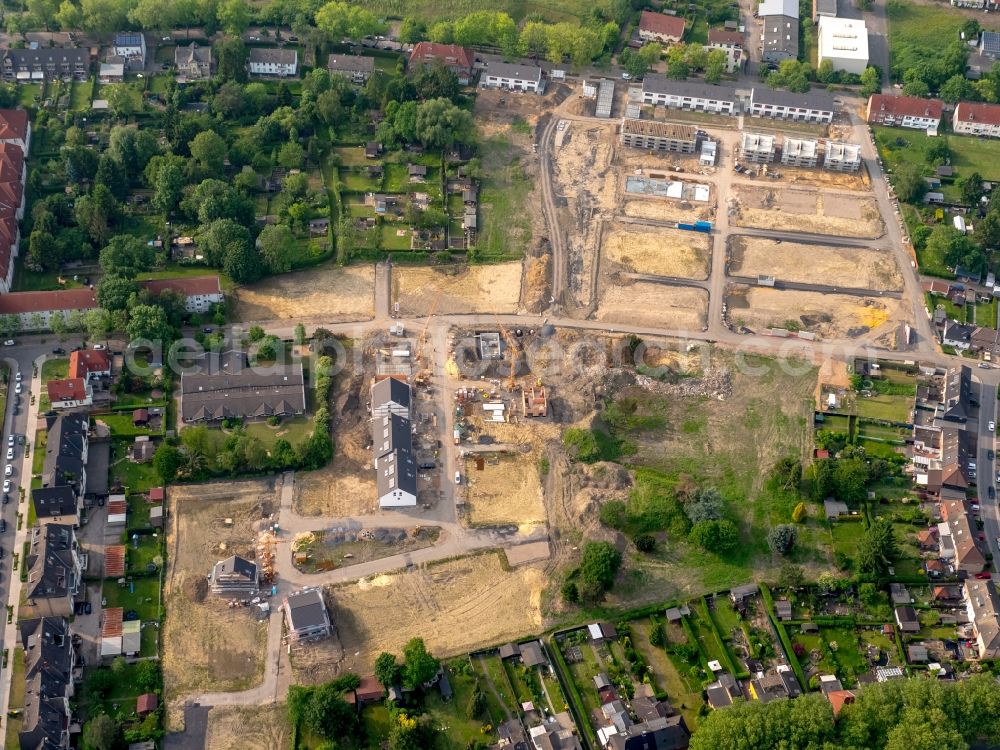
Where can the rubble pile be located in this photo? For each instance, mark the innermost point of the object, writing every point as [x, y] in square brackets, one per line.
[714, 383]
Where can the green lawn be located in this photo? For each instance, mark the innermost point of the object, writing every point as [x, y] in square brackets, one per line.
[80, 99]
[504, 224]
[986, 313]
[881, 406]
[968, 154]
[135, 477]
[352, 156]
[461, 731]
[148, 550]
[16, 664]
[683, 689]
[55, 369]
[144, 598]
[496, 673]
[930, 262]
[293, 430]
[393, 241]
[27, 93]
[138, 512]
[845, 537]
[121, 425]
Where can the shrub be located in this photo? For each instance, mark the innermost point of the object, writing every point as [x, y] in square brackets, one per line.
[645, 543]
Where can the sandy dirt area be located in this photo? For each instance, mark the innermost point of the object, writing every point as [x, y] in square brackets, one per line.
[661, 252]
[506, 490]
[493, 288]
[815, 264]
[251, 728]
[207, 645]
[455, 606]
[806, 177]
[335, 293]
[647, 304]
[664, 209]
[827, 315]
[807, 211]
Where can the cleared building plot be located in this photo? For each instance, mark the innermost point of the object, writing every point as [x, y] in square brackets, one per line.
[667, 210]
[495, 288]
[338, 294]
[644, 303]
[506, 490]
[206, 645]
[661, 252]
[829, 316]
[249, 728]
[456, 607]
[807, 211]
[814, 264]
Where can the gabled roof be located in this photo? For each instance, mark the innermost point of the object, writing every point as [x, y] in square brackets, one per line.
[982, 598]
[725, 38]
[48, 649]
[69, 389]
[274, 56]
[779, 98]
[978, 112]
[54, 502]
[192, 54]
[63, 299]
[661, 23]
[114, 561]
[86, 361]
[659, 84]
[905, 106]
[450, 54]
[13, 125]
[391, 390]
[351, 64]
[789, 8]
[51, 564]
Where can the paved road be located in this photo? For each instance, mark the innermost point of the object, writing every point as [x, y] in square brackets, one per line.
[820, 288]
[986, 469]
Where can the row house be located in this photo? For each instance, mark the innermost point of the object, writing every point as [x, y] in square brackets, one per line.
[904, 112]
[44, 64]
[788, 105]
[698, 97]
[977, 118]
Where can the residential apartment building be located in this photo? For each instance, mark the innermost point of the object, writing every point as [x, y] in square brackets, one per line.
[982, 606]
[700, 97]
[15, 129]
[13, 171]
[457, 59]
[44, 64]
[842, 157]
[659, 136]
[392, 444]
[660, 27]
[391, 396]
[36, 309]
[904, 112]
[355, 68]
[56, 505]
[757, 148]
[800, 152]
[200, 293]
[54, 571]
[501, 75]
[787, 105]
[780, 30]
[273, 63]
[50, 677]
[193, 62]
[70, 393]
[226, 387]
[844, 42]
[131, 47]
[731, 43]
[67, 449]
[976, 118]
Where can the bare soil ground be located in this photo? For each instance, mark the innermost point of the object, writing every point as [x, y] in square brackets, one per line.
[207, 645]
[649, 162]
[506, 491]
[664, 209]
[335, 293]
[806, 177]
[661, 252]
[807, 211]
[655, 305]
[827, 315]
[494, 288]
[815, 264]
[249, 728]
[455, 606]
[832, 372]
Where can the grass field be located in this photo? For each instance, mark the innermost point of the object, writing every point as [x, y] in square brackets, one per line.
[505, 227]
[882, 406]
[144, 598]
[293, 430]
[967, 154]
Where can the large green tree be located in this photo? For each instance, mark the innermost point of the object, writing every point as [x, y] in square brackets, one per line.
[149, 322]
[419, 666]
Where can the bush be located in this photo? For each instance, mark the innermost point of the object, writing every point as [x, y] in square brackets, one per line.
[658, 635]
[715, 536]
[781, 538]
[645, 543]
[799, 514]
[570, 592]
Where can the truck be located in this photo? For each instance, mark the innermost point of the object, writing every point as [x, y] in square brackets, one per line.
[458, 436]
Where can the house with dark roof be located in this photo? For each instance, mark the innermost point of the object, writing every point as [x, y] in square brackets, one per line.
[660, 733]
[690, 95]
[193, 62]
[983, 610]
[355, 68]
[456, 59]
[54, 571]
[29, 65]
[780, 30]
[740, 595]
[510, 77]
[722, 692]
[660, 27]
[66, 454]
[788, 105]
[553, 736]
[226, 387]
[906, 619]
[533, 655]
[899, 594]
[306, 615]
[45, 721]
[273, 62]
[783, 609]
[777, 684]
[56, 505]
[50, 675]
[234, 576]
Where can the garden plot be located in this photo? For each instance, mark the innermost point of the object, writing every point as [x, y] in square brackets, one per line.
[422, 291]
[655, 305]
[827, 315]
[507, 490]
[814, 264]
[660, 252]
[207, 645]
[337, 294]
[455, 606]
[807, 211]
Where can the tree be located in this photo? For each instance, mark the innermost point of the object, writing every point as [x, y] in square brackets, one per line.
[434, 82]
[97, 322]
[116, 292]
[645, 542]
[799, 512]
[209, 149]
[232, 59]
[598, 568]
[276, 243]
[79, 162]
[300, 334]
[791, 576]
[987, 231]
[917, 87]
[825, 72]
[167, 461]
[103, 16]
[69, 16]
[339, 20]
[792, 75]
[329, 715]
[956, 89]
[570, 593]
[877, 548]
[715, 66]
[168, 188]
[122, 100]
[956, 248]
[234, 16]
[871, 81]
[387, 671]
[705, 505]
[418, 665]
[972, 188]
[412, 30]
[96, 212]
[291, 155]
[678, 69]
[242, 262]
[718, 536]
[111, 174]
[781, 538]
[214, 199]
[101, 733]
[148, 322]
[125, 255]
[43, 252]
[440, 124]
[909, 183]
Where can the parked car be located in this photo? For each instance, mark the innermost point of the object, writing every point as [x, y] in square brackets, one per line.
[17, 388]
[6, 486]
[984, 576]
[993, 425]
[100, 347]
[18, 376]
[991, 492]
[10, 441]
[9, 342]
[428, 465]
[990, 455]
[975, 506]
[87, 609]
[10, 454]
[458, 477]
[8, 470]
[20, 439]
[58, 350]
[6, 498]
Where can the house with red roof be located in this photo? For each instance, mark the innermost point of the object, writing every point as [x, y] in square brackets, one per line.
[70, 393]
[15, 128]
[904, 111]
[977, 118]
[199, 292]
[89, 364]
[659, 27]
[35, 309]
[457, 59]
